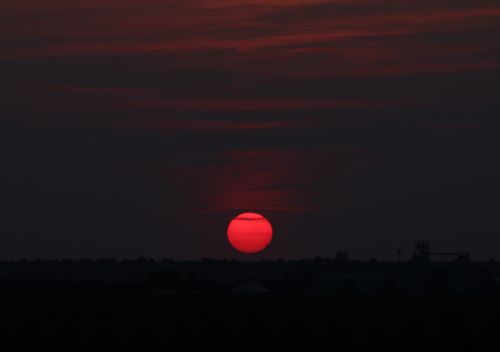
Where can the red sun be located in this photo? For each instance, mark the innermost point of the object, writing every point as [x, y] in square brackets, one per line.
[249, 233]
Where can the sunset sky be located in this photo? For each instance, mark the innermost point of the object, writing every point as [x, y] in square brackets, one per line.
[141, 128]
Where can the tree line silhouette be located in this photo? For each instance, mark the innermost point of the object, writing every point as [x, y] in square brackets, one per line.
[338, 275]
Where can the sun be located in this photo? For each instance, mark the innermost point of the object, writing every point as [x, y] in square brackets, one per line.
[250, 233]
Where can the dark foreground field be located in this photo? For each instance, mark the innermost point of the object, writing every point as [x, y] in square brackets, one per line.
[161, 321]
